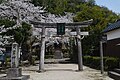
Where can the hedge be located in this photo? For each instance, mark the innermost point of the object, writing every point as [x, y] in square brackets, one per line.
[94, 62]
[49, 56]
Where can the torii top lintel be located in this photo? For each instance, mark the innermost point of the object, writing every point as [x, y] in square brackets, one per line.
[39, 24]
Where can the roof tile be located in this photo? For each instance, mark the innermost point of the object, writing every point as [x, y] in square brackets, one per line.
[111, 27]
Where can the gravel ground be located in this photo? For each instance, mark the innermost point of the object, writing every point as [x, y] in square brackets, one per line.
[64, 72]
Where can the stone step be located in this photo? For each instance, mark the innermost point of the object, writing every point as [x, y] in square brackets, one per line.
[114, 75]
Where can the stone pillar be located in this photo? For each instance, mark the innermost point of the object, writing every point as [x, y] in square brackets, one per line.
[101, 57]
[14, 56]
[15, 73]
[80, 61]
[42, 53]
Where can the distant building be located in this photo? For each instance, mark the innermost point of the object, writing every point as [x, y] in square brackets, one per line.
[112, 47]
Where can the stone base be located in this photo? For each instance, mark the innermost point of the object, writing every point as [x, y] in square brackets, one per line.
[23, 77]
[15, 74]
[41, 71]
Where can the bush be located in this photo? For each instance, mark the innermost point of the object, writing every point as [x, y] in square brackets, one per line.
[111, 63]
[94, 62]
[49, 56]
[34, 58]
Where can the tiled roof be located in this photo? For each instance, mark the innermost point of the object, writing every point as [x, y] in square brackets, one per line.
[113, 26]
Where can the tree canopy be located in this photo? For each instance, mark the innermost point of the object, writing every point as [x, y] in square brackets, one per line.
[21, 33]
[59, 6]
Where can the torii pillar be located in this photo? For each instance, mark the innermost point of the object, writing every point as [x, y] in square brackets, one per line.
[42, 52]
[80, 60]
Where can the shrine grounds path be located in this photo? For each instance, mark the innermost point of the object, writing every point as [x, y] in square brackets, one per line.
[64, 72]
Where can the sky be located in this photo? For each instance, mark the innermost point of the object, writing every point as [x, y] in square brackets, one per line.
[113, 5]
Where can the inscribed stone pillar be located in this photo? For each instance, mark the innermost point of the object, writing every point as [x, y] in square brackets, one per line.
[14, 56]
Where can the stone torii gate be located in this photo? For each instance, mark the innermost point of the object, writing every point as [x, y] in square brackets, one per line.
[76, 25]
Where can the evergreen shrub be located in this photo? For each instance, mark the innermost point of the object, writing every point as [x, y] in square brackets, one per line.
[110, 63]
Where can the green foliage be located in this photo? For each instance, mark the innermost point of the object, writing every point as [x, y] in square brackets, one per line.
[21, 34]
[49, 56]
[73, 50]
[7, 23]
[1, 1]
[37, 2]
[58, 6]
[91, 2]
[101, 16]
[93, 62]
[110, 63]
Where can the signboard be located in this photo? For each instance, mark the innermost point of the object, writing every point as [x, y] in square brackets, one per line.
[73, 33]
[84, 33]
[60, 28]
[81, 33]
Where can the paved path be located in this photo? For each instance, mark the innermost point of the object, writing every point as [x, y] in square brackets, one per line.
[63, 72]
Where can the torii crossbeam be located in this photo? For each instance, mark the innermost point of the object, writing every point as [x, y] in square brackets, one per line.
[39, 24]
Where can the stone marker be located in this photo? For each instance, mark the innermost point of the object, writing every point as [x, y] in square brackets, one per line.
[15, 73]
[58, 54]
